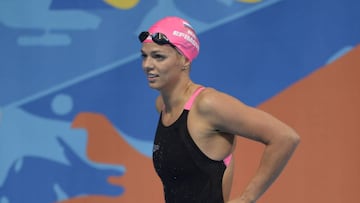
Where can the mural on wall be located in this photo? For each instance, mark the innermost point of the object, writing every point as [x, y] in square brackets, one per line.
[77, 117]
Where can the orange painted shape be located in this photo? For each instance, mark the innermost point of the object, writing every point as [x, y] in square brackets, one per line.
[106, 145]
[324, 109]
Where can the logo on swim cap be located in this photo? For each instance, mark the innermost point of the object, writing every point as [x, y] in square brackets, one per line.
[188, 25]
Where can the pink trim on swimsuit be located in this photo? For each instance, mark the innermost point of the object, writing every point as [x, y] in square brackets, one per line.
[188, 105]
[227, 160]
[190, 102]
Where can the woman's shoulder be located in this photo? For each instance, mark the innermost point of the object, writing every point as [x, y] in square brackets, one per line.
[207, 98]
[211, 99]
[210, 94]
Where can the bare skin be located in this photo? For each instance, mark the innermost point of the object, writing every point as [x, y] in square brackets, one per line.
[216, 118]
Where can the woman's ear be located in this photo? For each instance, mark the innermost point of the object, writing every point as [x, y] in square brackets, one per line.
[186, 63]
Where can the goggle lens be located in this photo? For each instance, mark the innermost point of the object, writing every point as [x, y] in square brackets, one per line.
[158, 38]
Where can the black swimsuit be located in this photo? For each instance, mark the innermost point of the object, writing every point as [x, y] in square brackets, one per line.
[187, 174]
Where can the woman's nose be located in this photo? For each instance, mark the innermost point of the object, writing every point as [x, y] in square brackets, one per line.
[147, 63]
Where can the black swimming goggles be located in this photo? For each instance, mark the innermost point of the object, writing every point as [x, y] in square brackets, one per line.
[158, 37]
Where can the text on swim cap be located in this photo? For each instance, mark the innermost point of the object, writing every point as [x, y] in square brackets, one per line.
[187, 38]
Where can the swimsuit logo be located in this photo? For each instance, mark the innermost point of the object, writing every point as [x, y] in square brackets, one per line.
[156, 147]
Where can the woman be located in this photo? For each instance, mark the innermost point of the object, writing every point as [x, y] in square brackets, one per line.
[198, 125]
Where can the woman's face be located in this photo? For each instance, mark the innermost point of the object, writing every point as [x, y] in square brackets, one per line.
[162, 64]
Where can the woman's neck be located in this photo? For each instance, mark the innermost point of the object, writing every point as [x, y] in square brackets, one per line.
[176, 97]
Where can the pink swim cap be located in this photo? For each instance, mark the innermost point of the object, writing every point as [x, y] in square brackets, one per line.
[180, 33]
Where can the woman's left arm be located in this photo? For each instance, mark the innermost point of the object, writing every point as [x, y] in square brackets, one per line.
[230, 115]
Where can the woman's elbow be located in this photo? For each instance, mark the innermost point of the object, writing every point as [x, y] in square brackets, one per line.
[293, 138]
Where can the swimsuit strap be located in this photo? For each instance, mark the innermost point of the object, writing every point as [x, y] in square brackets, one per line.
[192, 98]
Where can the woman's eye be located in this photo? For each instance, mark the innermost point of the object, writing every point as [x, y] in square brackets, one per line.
[159, 57]
[143, 56]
